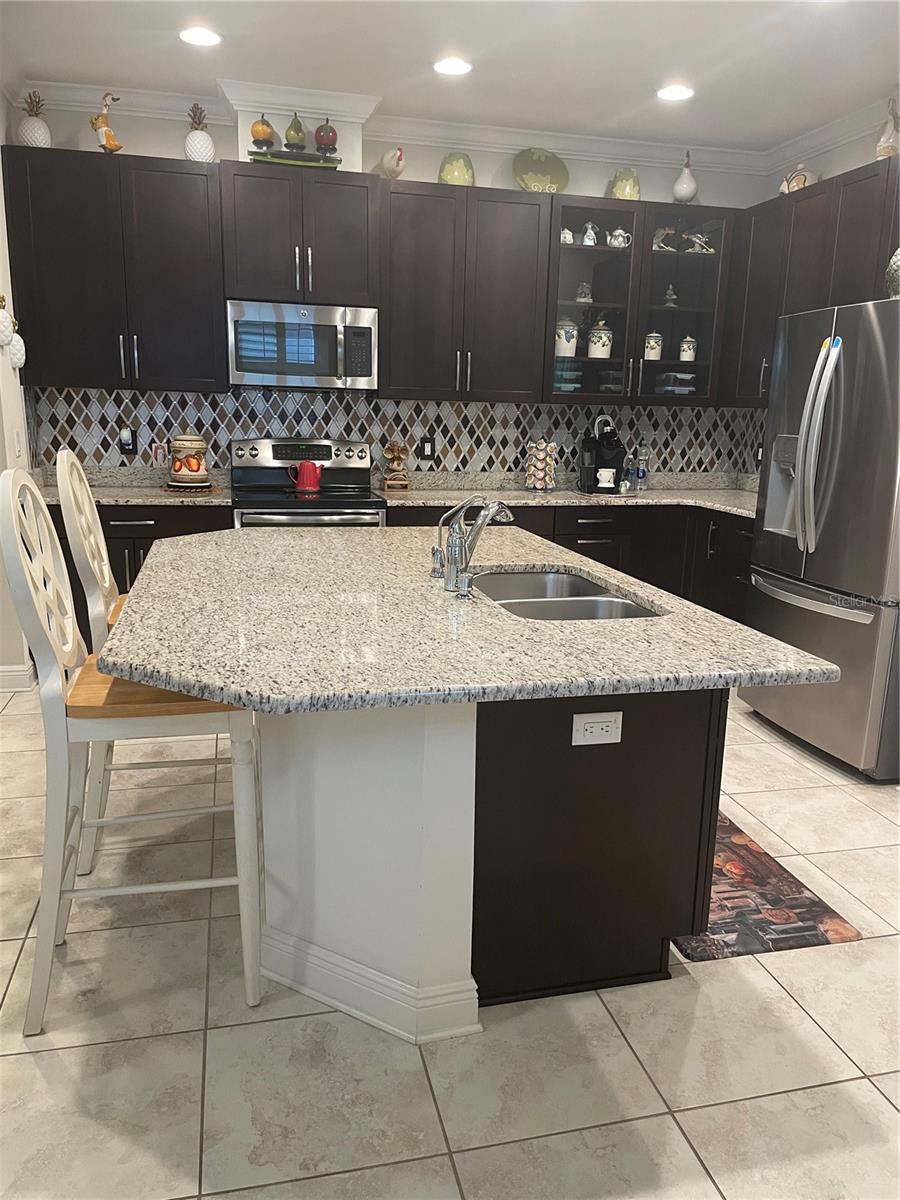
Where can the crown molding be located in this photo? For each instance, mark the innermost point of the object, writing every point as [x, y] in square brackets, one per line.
[164, 106]
[862, 123]
[284, 101]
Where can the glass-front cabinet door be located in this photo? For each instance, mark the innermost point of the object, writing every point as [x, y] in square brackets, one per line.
[679, 322]
[591, 318]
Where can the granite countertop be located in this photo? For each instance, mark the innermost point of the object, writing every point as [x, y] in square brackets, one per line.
[307, 620]
[125, 493]
[731, 500]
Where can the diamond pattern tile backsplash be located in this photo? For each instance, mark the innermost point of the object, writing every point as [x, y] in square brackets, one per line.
[468, 436]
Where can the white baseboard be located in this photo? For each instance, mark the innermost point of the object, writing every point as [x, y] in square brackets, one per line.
[415, 1014]
[17, 679]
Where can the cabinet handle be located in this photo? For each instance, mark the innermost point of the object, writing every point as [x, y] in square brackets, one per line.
[762, 371]
[745, 533]
[458, 362]
[709, 536]
[127, 569]
[594, 521]
[296, 268]
[630, 376]
[468, 370]
[134, 355]
[140, 557]
[593, 541]
[122, 355]
[309, 268]
[640, 390]
[131, 522]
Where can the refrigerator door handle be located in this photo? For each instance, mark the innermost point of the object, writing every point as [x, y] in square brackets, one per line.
[807, 602]
[802, 438]
[814, 440]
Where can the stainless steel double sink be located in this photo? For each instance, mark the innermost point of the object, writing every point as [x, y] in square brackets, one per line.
[555, 596]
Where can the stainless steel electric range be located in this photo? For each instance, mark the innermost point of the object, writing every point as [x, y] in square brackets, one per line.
[264, 491]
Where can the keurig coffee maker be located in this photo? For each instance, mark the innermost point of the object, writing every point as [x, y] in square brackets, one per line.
[601, 459]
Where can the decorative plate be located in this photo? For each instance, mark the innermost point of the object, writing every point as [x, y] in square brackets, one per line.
[540, 171]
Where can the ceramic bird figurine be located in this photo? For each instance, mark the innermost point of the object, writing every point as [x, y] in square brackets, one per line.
[393, 163]
[100, 125]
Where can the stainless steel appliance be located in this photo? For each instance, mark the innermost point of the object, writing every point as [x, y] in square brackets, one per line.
[264, 474]
[826, 549]
[302, 345]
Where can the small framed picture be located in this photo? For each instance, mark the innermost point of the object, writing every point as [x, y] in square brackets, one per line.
[159, 452]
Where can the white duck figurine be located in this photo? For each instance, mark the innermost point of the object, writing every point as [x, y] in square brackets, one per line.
[393, 163]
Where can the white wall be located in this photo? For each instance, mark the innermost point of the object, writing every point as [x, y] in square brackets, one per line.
[835, 161]
[138, 135]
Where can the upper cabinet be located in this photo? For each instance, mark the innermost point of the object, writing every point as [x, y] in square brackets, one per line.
[863, 205]
[595, 265]
[464, 283]
[292, 234]
[117, 269]
[173, 274]
[68, 268]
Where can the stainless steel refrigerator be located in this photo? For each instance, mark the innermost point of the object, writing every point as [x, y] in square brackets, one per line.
[826, 552]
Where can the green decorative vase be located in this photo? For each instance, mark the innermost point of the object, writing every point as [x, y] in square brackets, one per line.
[457, 168]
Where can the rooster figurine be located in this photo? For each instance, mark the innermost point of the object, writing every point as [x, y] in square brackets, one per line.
[393, 163]
[100, 125]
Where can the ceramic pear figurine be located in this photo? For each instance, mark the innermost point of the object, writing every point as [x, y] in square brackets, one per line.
[685, 188]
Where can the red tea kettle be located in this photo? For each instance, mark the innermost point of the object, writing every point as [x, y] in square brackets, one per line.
[307, 476]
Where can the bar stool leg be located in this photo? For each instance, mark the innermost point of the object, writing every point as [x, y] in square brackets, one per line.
[78, 759]
[246, 844]
[94, 802]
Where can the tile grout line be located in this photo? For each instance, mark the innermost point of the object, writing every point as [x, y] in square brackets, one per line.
[437, 1109]
[843, 885]
[659, 1093]
[278, 1183]
[203, 1051]
[761, 822]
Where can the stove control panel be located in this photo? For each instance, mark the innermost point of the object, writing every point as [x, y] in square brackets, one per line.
[284, 452]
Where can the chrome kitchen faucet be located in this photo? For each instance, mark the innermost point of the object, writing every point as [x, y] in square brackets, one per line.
[462, 540]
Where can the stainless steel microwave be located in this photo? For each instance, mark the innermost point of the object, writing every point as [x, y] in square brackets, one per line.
[302, 345]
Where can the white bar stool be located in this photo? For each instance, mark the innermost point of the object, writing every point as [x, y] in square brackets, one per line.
[82, 708]
[87, 543]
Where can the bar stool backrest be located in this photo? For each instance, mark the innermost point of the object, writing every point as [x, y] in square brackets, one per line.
[87, 543]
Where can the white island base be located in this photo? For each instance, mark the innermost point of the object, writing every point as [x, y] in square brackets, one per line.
[368, 825]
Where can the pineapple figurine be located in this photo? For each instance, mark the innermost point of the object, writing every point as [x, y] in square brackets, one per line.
[34, 130]
[198, 145]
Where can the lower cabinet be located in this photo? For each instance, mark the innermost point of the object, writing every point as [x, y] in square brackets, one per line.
[718, 562]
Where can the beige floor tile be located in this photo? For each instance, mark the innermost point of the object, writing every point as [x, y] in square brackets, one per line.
[145, 864]
[224, 900]
[21, 703]
[853, 991]
[826, 1143]
[763, 836]
[20, 886]
[639, 1160]
[870, 875]
[764, 730]
[882, 797]
[113, 985]
[21, 826]
[427, 1179]
[858, 914]
[5, 698]
[132, 801]
[23, 774]
[18, 733]
[141, 750]
[737, 734]
[103, 1122]
[831, 770]
[814, 819]
[541, 1066]
[763, 767]
[226, 984]
[8, 953]
[310, 1095]
[722, 1031]
[889, 1085]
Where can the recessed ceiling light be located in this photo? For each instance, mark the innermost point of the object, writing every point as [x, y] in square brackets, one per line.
[198, 36]
[452, 66]
[675, 91]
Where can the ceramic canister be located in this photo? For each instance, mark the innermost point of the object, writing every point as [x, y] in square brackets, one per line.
[653, 344]
[600, 340]
[188, 461]
[566, 340]
[687, 351]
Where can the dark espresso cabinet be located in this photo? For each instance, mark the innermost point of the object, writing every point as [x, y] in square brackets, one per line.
[68, 270]
[717, 562]
[117, 269]
[864, 203]
[173, 274]
[806, 261]
[291, 235]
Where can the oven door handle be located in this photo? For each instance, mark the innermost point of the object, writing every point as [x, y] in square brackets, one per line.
[310, 520]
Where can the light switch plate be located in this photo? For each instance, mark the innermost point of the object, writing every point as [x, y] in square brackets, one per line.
[593, 729]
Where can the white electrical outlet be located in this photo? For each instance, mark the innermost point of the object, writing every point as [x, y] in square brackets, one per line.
[592, 729]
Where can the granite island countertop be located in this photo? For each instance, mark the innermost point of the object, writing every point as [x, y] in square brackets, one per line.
[309, 620]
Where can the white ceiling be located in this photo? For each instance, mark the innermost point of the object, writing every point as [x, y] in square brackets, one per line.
[763, 72]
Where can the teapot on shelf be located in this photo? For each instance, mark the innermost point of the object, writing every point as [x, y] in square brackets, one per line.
[618, 239]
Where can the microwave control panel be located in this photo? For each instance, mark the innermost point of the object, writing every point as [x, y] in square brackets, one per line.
[357, 352]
